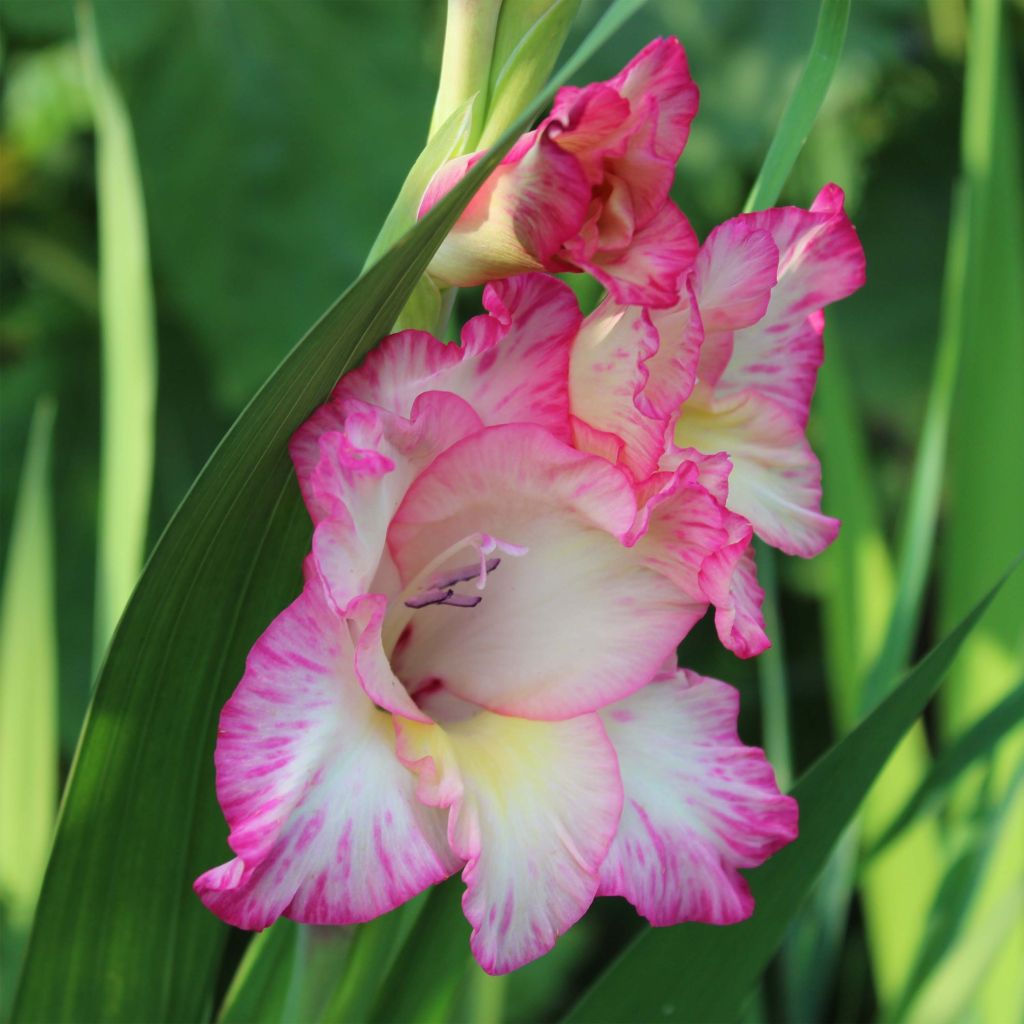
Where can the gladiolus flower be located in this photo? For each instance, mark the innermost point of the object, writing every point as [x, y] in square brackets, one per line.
[730, 368]
[480, 671]
[587, 190]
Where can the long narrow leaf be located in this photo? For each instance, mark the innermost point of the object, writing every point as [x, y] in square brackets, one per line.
[118, 924]
[980, 740]
[128, 333]
[804, 104]
[28, 699]
[698, 972]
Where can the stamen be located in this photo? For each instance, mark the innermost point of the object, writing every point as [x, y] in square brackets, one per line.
[464, 573]
[435, 595]
[461, 600]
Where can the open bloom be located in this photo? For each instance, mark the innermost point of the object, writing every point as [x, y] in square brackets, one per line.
[480, 671]
[587, 190]
[730, 368]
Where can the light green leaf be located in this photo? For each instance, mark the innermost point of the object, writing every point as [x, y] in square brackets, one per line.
[28, 698]
[979, 741]
[697, 972]
[128, 349]
[119, 936]
[804, 104]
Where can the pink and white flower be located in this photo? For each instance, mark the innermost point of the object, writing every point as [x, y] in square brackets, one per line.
[479, 672]
[730, 368]
[587, 190]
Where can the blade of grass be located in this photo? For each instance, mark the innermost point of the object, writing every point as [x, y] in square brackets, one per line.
[803, 106]
[128, 346]
[260, 986]
[699, 972]
[986, 487]
[980, 740]
[28, 699]
[118, 935]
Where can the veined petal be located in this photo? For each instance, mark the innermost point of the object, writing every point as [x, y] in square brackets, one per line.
[578, 620]
[534, 806]
[628, 378]
[511, 367]
[361, 476]
[324, 821]
[776, 479]
[518, 218]
[648, 270]
[698, 805]
[820, 261]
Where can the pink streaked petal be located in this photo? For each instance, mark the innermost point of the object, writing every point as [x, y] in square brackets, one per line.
[308, 779]
[647, 273]
[699, 805]
[820, 261]
[534, 807]
[362, 476]
[628, 378]
[607, 376]
[518, 219]
[776, 479]
[735, 272]
[729, 578]
[511, 366]
[660, 70]
[577, 620]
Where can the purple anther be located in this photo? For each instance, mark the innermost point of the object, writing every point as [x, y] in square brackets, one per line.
[436, 595]
[461, 600]
[463, 573]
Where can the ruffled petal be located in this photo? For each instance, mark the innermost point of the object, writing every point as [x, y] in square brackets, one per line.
[361, 475]
[510, 368]
[576, 621]
[534, 806]
[776, 478]
[647, 272]
[533, 201]
[627, 380]
[698, 805]
[324, 820]
[820, 261]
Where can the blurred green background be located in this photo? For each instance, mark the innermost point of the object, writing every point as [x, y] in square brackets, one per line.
[272, 138]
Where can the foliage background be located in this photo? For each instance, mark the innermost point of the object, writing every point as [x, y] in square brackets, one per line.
[272, 138]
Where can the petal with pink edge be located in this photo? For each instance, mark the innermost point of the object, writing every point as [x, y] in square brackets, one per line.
[627, 380]
[776, 478]
[534, 806]
[361, 476]
[511, 367]
[820, 261]
[324, 820]
[519, 217]
[577, 620]
[699, 805]
[647, 271]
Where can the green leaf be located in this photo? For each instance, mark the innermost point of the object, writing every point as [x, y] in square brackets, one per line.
[804, 104]
[128, 333]
[28, 698]
[698, 972]
[422, 987]
[980, 740]
[119, 936]
[260, 986]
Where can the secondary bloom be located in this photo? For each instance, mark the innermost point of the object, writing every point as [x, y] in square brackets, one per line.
[480, 671]
[730, 368]
[587, 190]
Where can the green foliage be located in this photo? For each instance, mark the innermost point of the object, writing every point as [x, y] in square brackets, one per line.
[28, 699]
